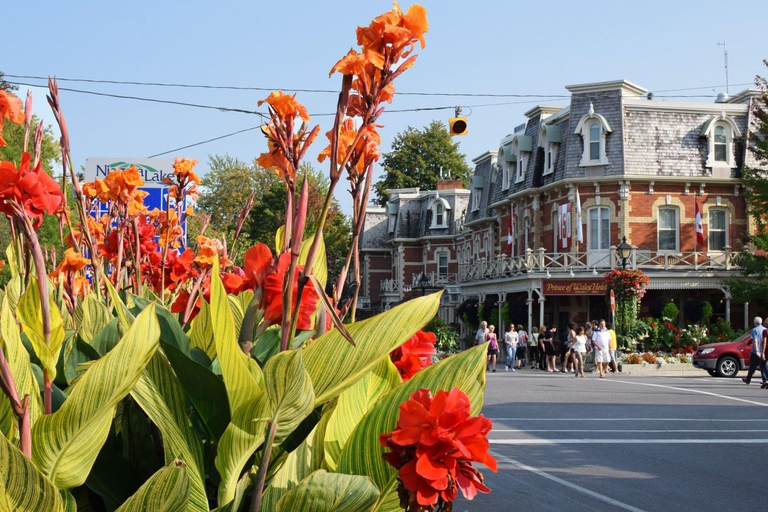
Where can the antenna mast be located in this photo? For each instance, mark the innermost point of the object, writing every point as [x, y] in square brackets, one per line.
[725, 59]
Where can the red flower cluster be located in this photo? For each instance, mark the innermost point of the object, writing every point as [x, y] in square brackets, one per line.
[433, 447]
[627, 283]
[31, 190]
[414, 354]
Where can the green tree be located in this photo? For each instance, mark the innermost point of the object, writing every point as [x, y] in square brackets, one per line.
[6, 85]
[416, 158]
[753, 258]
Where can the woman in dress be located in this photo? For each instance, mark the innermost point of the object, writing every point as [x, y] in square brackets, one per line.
[493, 348]
[579, 351]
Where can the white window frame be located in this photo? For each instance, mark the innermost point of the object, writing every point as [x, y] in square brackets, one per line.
[392, 220]
[476, 194]
[603, 238]
[527, 233]
[726, 229]
[504, 175]
[676, 249]
[437, 203]
[584, 129]
[438, 255]
[520, 167]
[731, 132]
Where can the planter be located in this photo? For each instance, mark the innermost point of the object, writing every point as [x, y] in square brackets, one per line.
[665, 370]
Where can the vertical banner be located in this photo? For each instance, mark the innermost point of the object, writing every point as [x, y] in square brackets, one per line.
[564, 225]
[511, 232]
[579, 229]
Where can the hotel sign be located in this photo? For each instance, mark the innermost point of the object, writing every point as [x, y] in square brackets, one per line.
[574, 287]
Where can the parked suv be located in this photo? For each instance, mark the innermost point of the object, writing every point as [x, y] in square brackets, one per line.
[724, 359]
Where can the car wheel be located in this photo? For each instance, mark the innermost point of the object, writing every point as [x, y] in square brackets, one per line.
[727, 366]
[712, 372]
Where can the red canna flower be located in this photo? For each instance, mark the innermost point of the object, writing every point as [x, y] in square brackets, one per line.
[433, 446]
[273, 295]
[34, 191]
[414, 355]
[10, 109]
[257, 262]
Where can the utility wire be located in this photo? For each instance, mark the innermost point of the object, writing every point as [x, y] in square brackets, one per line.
[205, 141]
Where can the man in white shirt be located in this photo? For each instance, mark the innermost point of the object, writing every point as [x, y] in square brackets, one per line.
[756, 357]
[481, 332]
[602, 339]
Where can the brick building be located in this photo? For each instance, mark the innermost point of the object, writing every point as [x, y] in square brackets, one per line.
[636, 169]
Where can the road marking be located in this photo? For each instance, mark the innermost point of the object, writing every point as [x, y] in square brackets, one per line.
[628, 419]
[626, 441]
[761, 404]
[632, 431]
[566, 483]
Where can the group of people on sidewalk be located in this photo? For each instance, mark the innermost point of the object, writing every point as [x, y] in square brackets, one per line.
[541, 348]
[759, 341]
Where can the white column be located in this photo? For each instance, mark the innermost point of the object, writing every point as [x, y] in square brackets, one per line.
[746, 315]
[530, 311]
[541, 310]
[728, 309]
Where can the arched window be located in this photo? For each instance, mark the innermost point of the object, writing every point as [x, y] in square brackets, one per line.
[439, 209]
[721, 144]
[439, 214]
[594, 141]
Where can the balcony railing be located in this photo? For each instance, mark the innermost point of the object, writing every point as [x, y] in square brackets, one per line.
[594, 261]
[434, 280]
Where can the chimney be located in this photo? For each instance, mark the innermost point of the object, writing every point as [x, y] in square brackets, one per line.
[448, 184]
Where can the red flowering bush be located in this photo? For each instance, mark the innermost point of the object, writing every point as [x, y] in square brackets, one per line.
[433, 447]
[414, 354]
[649, 357]
[627, 283]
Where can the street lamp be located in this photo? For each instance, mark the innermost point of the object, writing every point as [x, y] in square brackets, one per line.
[624, 250]
[423, 282]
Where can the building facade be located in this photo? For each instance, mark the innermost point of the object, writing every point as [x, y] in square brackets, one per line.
[544, 213]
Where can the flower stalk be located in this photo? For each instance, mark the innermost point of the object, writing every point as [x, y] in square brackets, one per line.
[262, 474]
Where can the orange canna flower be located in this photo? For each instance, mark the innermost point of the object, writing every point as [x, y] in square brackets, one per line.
[207, 250]
[2, 264]
[182, 167]
[122, 185]
[81, 286]
[33, 190]
[72, 262]
[10, 109]
[285, 105]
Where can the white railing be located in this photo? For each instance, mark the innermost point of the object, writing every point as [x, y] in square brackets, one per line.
[593, 261]
[390, 286]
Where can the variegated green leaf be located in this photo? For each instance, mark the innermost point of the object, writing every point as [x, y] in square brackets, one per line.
[95, 316]
[334, 364]
[30, 315]
[201, 331]
[362, 453]
[160, 395]
[7, 418]
[330, 492]
[286, 400]
[23, 488]
[125, 316]
[13, 290]
[242, 380]
[65, 444]
[298, 465]
[18, 362]
[168, 490]
[353, 403]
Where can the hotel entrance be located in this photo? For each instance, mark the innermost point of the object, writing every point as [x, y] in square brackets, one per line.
[574, 300]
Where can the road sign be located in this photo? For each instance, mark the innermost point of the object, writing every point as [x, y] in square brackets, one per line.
[613, 302]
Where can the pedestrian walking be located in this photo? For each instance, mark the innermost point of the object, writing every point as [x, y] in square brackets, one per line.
[614, 345]
[523, 341]
[579, 351]
[756, 356]
[511, 340]
[549, 349]
[493, 348]
[542, 351]
[602, 348]
[567, 357]
[481, 332]
[533, 347]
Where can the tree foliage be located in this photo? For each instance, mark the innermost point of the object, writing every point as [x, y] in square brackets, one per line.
[754, 258]
[417, 157]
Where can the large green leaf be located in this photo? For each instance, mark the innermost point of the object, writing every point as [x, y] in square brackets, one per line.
[7, 418]
[362, 453]
[286, 400]
[298, 465]
[94, 316]
[160, 395]
[76, 352]
[236, 368]
[65, 444]
[30, 315]
[353, 403]
[168, 490]
[125, 316]
[18, 362]
[23, 487]
[330, 492]
[108, 337]
[171, 332]
[334, 364]
[201, 331]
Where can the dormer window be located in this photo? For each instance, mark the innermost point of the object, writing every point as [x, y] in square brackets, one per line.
[392, 209]
[521, 148]
[520, 173]
[720, 132]
[593, 128]
[549, 140]
[507, 165]
[439, 209]
[477, 192]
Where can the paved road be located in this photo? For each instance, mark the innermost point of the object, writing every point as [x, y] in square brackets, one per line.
[624, 443]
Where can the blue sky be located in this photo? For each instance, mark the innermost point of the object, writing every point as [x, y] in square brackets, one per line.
[472, 47]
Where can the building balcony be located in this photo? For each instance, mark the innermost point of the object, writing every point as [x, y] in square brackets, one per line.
[541, 262]
[434, 280]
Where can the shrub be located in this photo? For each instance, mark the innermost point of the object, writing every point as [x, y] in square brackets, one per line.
[670, 312]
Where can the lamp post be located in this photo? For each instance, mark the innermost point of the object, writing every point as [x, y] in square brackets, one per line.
[423, 282]
[624, 250]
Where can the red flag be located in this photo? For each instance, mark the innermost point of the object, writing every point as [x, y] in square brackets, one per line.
[511, 233]
[699, 225]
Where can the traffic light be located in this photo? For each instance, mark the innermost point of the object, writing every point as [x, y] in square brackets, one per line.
[457, 126]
